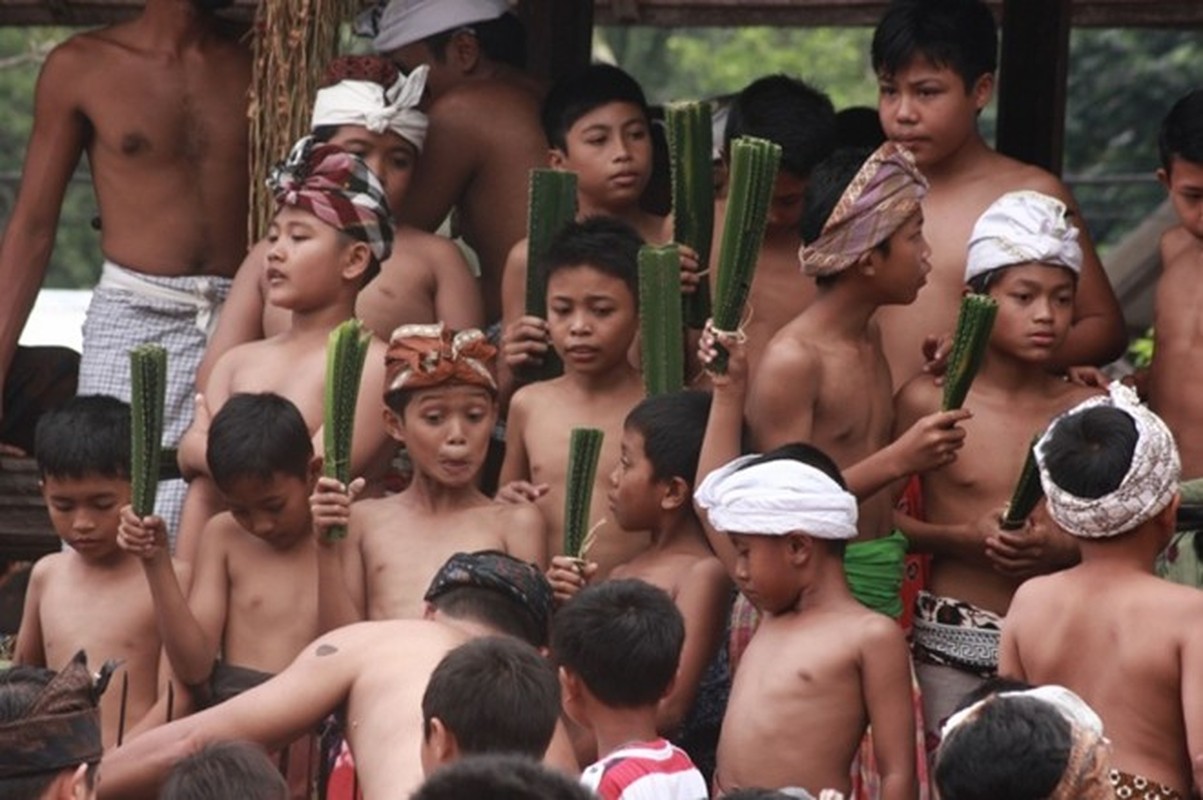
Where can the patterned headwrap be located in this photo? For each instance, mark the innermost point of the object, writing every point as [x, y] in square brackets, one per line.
[359, 100]
[492, 569]
[1148, 487]
[61, 728]
[777, 497]
[885, 192]
[337, 188]
[421, 356]
[1023, 227]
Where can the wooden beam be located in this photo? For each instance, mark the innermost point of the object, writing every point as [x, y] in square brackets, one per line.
[559, 36]
[1032, 80]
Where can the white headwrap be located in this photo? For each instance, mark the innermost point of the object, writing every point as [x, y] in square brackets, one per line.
[1148, 487]
[776, 498]
[369, 104]
[1023, 227]
[404, 22]
[1073, 708]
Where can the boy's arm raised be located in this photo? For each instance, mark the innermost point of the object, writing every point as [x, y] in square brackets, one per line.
[886, 666]
[525, 535]
[516, 466]
[457, 298]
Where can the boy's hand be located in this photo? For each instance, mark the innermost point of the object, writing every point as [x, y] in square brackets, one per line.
[1039, 547]
[691, 274]
[144, 537]
[935, 355]
[1091, 377]
[525, 342]
[737, 356]
[932, 442]
[568, 575]
[330, 504]
[521, 492]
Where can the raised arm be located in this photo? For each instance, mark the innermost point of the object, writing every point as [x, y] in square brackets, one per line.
[55, 146]
[340, 588]
[457, 297]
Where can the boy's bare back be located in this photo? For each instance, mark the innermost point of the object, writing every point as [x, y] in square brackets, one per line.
[800, 701]
[107, 612]
[1175, 381]
[1131, 645]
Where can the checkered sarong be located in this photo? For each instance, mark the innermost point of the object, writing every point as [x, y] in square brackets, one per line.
[129, 309]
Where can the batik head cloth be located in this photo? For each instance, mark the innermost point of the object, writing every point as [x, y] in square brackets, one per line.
[337, 188]
[61, 728]
[884, 193]
[775, 498]
[1023, 227]
[1149, 485]
[401, 22]
[491, 569]
[422, 356]
[379, 108]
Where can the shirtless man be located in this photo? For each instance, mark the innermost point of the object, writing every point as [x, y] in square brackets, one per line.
[484, 123]
[168, 155]
[379, 670]
[935, 63]
[1126, 641]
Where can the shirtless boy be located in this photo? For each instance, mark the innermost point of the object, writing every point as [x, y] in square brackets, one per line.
[251, 607]
[366, 108]
[1125, 640]
[476, 52]
[168, 154]
[1173, 381]
[824, 378]
[789, 562]
[379, 670]
[329, 236]
[90, 596]
[1024, 254]
[935, 62]
[801, 119]
[441, 404]
[592, 302]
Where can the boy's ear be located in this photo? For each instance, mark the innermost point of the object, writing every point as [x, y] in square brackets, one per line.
[394, 426]
[441, 742]
[75, 786]
[314, 470]
[463, 51]
[556, 158]
[676, 494]
[1163, 177]
[570, 684]
[867, 263]
[983, 90]
[358, 259]
[428, 610]
[800, 546]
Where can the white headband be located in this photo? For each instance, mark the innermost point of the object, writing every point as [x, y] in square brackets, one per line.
[1023, 227]
[776, 498]
[1073, 708]
[1148, 487]
[404, 22]
[369, 104]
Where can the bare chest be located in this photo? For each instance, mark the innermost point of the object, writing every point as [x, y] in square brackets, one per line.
[296, 373]
[855, 411]
[110, 620]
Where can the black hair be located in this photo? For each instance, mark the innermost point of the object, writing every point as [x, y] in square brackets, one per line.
[20, 687]
[788, 112]
[672, 426]
[226, 769]
[1089, 452]
[1181, 132]
[606, 244]
[813, 457]
[499, 611]
[622, 639]
[88, 435]
[824, 189]
[494, 694]
[1014, 748]
[501, 777]
[594, 86]
[258, 435]
[756, 793]
[502, 39]
[958, 34]
[859, 126]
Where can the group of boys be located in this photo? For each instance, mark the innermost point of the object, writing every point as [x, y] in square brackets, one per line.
[723, 596]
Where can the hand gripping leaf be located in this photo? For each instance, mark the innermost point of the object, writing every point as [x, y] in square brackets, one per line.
[1027, 494]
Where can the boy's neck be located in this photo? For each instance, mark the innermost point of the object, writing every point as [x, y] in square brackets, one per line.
[116, 561]
[842, 309]
[1134, 551]
[438, 498]
[614, 380]
[676, 527]
[324, 319]
[616, 727]
[1012, 375]
[959, 161]
[827, 587]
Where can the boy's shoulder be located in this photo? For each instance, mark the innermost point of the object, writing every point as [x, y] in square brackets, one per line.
[1175, 244]
[533, 394]
[920, 395]
[1006, 174]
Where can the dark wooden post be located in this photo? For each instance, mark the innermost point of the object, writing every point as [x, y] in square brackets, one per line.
[1032, 78]
[559, 35]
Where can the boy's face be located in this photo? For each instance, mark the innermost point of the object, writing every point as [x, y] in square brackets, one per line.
[786, 206]
[1035, 310]
[85, 512]
[591, 316]
[634, 491]
[391, 158]
[927, 109]
[1184, 182]
[764, 571]
[306, 260]
[901, 274]
[274, 509]
[610, 150]
[446, 432]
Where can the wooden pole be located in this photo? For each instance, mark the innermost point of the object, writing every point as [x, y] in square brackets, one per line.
[1032, 80]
